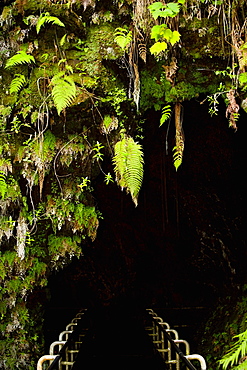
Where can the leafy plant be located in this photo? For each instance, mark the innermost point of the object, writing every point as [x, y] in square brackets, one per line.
[159, 9]
[122, 37]
[63, 91]
[21, 57]
[166, 114]
[161, 32]
[97, 149]
[17, 83]
[128, 166]
[47, 18]
[3, 185]
[237, 351]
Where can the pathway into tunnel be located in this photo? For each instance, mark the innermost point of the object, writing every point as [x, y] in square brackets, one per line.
[174, 252]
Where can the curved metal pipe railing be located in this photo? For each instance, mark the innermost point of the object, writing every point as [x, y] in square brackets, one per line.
[68, 348]
[161, 336]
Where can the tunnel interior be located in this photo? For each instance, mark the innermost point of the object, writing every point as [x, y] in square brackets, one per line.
[181, 248]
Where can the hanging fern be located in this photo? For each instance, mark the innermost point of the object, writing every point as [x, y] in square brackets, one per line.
[17, 83]
[166, 114]
[64, 91]
[122, 37]
[47, 18]
[238, 350]
[3, 185]
[128, 166]
[21, 57]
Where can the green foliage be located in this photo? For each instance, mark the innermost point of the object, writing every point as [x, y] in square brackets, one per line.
[3, 185]
[177, 156]
[97, 149]
[159, 9]
[63, 246]
[166, 114]
[123, 37]
[237, 351]
[158, 47]
[161, 32]
[243, 80]
[128, 166]
[108, 178]
[21, 57]
[47, 18]
[17, 83]
[63, 91]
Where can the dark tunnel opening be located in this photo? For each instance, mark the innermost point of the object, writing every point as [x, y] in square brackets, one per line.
[175, 252]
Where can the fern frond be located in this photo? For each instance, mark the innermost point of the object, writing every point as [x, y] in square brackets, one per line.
[17, 83]
[165, 114]
[47, 18]
[177, 156]
[128, 166]
[238, 349]
[3, 185]
[21, 57]
[122, 37]
[63, 92]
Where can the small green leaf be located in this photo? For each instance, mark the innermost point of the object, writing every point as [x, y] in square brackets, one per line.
[175, 37]
[167, 34]
[158, 47]
[243, 78]
[63, 40]
[173, 8]
[157, 31]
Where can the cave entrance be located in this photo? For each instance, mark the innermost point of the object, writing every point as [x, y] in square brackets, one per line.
[175, 251]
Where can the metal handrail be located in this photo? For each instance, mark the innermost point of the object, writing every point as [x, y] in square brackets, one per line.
[70, 337]
[172, 344]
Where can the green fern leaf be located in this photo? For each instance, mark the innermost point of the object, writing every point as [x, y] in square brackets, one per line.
[177, 156]
[21, 57]
[17, 83]
[128, 166]
[47, 18]
[63, 92]
[3, 185]
[238, 350]
[166, 114]
[122, 37]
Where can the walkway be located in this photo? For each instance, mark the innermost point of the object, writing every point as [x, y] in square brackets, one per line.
[118, 341]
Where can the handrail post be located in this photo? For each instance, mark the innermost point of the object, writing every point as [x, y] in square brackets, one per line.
[172, 344]
[200, 359]
[43, 359]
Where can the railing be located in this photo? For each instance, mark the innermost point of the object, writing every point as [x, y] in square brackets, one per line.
[68, 344]
[167, 343]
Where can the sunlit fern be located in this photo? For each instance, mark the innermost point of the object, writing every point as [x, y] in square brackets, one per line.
[47, 18]
[17, 83]
[63, 91]
[128, 166]
[165, 114]
[3, 185]
[237, 351]
[122, 37]
[21, 57]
